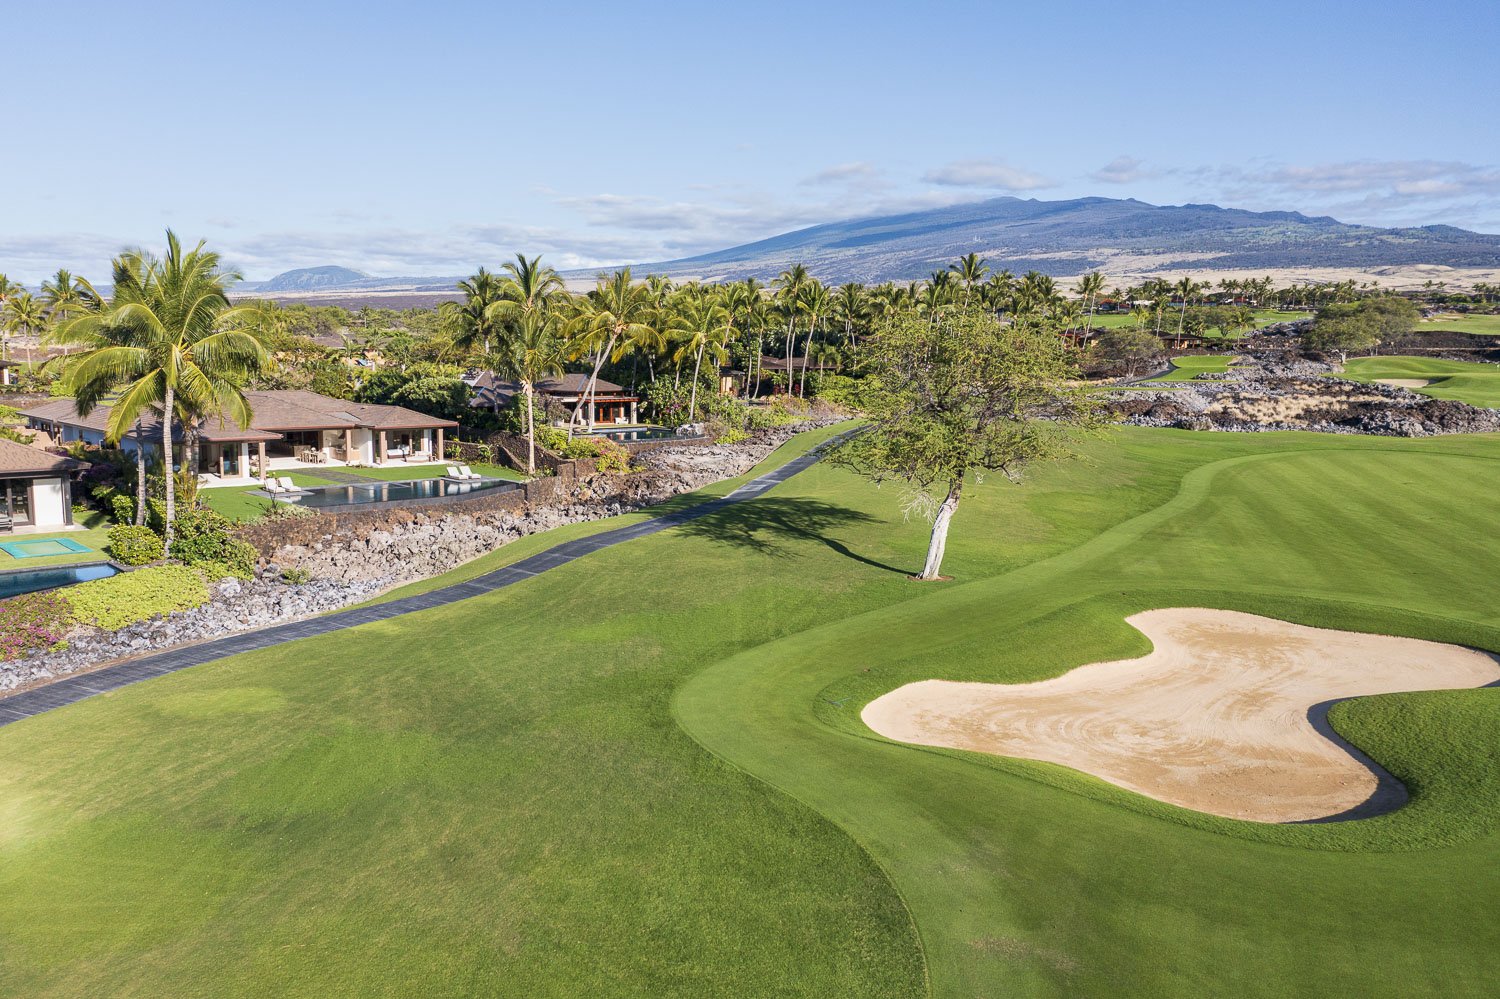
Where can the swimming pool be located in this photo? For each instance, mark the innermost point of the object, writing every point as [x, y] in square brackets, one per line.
[42, 547]
[391, 492]
[626, 435]
[13, 584]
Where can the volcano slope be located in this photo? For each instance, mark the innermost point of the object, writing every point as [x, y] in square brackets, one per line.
[644, 772]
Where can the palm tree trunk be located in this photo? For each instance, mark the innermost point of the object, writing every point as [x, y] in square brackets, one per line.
[140, 477]
[806, 352]
[170, 510]
[933, 568]
[588, 392]
[693, 405]
[530, 430]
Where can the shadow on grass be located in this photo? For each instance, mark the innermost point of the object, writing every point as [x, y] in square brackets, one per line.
[766, 523]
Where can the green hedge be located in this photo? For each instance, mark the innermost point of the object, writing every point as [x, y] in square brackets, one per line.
[131, 545]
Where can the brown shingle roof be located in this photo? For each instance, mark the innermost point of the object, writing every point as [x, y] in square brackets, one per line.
[213, 431]
[18, 459]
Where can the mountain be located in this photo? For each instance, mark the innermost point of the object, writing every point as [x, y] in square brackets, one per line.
[310, 279]
[1071, 237]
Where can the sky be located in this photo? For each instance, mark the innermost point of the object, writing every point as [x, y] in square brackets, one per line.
[432, 138]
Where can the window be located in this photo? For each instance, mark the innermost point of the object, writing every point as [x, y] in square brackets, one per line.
[17, 498]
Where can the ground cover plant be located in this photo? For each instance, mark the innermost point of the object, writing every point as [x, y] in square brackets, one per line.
[643, 772]
[1474, 382]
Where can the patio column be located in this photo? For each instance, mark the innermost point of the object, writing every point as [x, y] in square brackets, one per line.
[441, 451]
[348, 444]
[260, 453]
[382, 447]
[221, 461]
[632, 412]
[591, 414]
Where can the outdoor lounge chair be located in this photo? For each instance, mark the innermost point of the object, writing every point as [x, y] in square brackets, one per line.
[465, 472]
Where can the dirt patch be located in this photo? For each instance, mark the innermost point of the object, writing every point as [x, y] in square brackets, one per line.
[1225, 716]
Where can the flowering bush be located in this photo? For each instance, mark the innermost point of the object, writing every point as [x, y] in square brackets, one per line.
[32, 621]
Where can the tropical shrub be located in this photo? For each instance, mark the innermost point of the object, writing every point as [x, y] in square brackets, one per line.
[296, 576]
[842, 391]
[552, 439]
[122, 508]
[129, 597]
[33, 621]
[611, 456]
[732, 435]
[205, 536]
[132, 545]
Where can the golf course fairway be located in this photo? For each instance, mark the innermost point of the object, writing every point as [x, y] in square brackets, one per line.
[644, 772]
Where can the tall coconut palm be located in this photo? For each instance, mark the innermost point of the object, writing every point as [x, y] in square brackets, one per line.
[789, 284]
[8, 290]
[617, 310]
[172, 343]
[528, 352]
[1089, 287]
[815, 304]
[851, 305]
[970, 270]
[740, 302]
[1185, 289]
[472, 322]
[700, 325]
[26, 315]
[529, 285]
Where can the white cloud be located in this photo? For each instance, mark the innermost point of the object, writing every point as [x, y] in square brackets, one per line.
[845, 173]
[992, 174]
[1123, 170]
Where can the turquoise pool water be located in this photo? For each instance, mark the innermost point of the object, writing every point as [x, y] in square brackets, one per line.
[13, 584]
[392, 492]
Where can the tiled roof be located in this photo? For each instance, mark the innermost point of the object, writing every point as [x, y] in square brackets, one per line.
[18, 459]
[491, 390]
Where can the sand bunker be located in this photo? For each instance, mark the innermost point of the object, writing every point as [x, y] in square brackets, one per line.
[1406, 383]
[1226, 716]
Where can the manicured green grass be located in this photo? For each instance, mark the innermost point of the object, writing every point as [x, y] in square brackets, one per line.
[643, 772]
[1473, 382]
[1455, 323]
[1189, 366]
[242, 503]
[95, 536]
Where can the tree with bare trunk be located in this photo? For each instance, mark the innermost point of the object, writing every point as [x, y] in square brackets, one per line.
[962, 396]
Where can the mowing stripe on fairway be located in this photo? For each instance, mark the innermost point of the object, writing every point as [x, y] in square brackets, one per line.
[72, 689]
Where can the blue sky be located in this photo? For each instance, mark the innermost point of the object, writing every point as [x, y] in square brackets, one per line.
[404, 138]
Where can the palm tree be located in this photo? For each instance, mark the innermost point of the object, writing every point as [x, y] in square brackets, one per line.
[851, 305]
[27, 315]
[789, 284]
[530, 352]
[701, 325]
[970, 270]
[741, 301]
[172, 342]
[1185, 289]
[1089, 287]
[813, 300]
[616, 310]
[473, 322]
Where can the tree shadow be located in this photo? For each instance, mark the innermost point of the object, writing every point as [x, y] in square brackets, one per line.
[765, 524]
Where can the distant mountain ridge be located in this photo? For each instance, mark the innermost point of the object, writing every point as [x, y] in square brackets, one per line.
[1071, 237]
[1061, 238]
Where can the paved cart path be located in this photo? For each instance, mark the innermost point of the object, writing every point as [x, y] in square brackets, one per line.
[71, 689]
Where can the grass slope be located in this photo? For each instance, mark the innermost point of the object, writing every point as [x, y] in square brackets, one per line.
[1467, 381]
[1189, 366]
[512, 794]
[1478, 325]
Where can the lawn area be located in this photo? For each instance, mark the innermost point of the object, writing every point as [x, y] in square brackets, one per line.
[242, 503]
[1467, 381]
[1189, 366]
[95, 535]
[1457, 323]
[643, 773]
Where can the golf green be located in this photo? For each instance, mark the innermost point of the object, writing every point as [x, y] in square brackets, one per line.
[1474, 382]
[643, 773]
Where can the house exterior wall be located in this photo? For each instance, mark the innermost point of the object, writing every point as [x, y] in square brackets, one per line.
[48, 504]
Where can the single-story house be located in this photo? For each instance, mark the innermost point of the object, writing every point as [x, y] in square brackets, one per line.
[37, 486]
[610, 404]
[287, 427]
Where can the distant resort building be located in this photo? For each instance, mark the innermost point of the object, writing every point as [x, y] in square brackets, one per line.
[288, 428]
[732, 380]
[610, 404]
